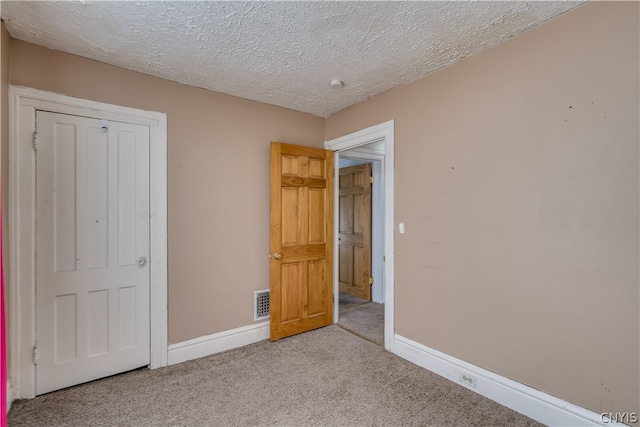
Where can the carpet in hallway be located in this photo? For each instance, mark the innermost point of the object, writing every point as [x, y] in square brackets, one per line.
[365, 320]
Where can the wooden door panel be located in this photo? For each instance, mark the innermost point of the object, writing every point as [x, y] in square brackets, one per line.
[317, 208]
[355, 231]
[360, 219]
[317, 167]
[291, 292]
[345, 267]
[317, 295]
[304, 252]
[301, 236]
[360, 269]
[344, 181]
[345, 223]
[291, 223]
[290, 165]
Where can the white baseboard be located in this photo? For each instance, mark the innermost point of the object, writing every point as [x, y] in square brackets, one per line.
[218, 342]
[521, 398]
[9, 395]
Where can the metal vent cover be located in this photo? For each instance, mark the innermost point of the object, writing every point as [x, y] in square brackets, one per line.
[261, 304]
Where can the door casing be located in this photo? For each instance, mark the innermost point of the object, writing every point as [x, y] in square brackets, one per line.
[382, 132]
[23, 104]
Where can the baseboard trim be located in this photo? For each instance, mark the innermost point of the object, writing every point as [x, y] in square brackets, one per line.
[9, 395]
[526, 400]
[218, 342]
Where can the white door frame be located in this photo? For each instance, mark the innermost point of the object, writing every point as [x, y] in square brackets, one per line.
[382, 132]
[22, 109]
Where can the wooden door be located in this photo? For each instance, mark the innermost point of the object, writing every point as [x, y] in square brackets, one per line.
[354, 234]
[301, 263]
[92, 244]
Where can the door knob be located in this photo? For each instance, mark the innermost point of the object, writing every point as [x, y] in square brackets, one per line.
[141, 261]
[277, 255]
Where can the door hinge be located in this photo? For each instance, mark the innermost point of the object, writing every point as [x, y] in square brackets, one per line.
[35, 355]
[371, 280]
[371, 179]
[35, 141]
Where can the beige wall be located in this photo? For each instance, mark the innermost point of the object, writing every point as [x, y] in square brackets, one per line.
[218, 180]
[517, 179]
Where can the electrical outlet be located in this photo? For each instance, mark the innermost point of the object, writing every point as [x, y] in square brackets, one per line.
[467, 379]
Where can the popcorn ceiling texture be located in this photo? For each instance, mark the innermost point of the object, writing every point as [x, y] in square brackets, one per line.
[280, 53]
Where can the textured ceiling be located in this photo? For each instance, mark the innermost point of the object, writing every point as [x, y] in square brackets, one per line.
[280, 53]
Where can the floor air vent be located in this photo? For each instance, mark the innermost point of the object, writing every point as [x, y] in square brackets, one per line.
[261, 304]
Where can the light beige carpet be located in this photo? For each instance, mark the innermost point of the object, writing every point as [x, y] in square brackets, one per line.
[365, 320]
[326, 377]
[347, 301]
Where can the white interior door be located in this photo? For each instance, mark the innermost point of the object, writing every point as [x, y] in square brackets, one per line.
[92, 245]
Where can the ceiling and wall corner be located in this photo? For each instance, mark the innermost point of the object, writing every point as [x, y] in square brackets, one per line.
[517, 178]
[279, 53]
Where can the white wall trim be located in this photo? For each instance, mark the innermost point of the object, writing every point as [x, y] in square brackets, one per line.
[9, 395]
[377, 239]
[361, 137]
[218, 342]
[521, 398]
[382, 132]
[23, 104]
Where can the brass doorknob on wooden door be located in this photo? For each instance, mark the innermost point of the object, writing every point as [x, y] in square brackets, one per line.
[277, 255]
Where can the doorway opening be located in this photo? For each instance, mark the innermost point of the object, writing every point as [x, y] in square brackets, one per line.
[373, 146]
[361, 298]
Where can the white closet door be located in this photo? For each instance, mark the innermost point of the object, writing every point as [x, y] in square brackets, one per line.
[92, 246]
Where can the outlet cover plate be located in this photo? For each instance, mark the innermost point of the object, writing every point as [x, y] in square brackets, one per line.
[467, 379]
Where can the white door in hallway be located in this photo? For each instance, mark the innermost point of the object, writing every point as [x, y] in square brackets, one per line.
[92, 246]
